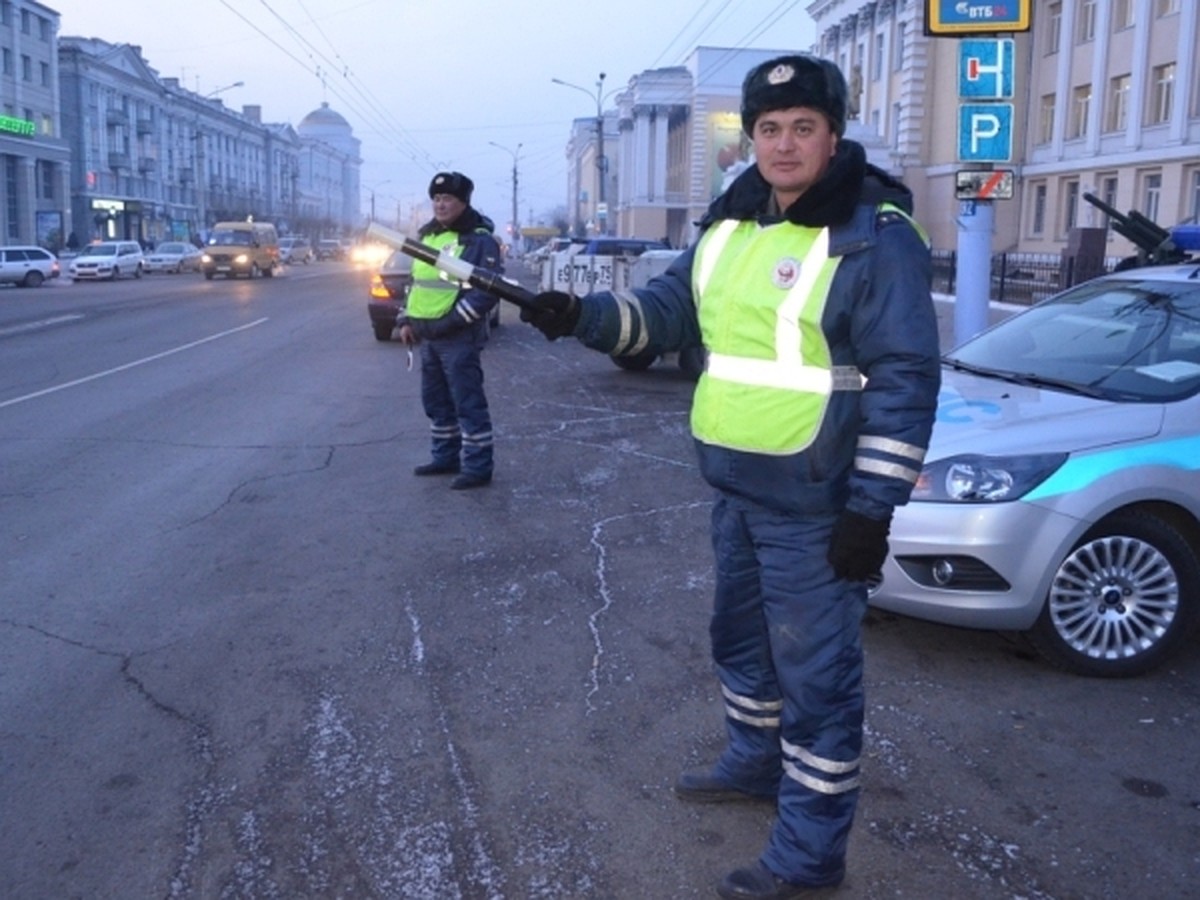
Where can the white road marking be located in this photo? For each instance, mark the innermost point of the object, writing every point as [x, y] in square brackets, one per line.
[129, 365]
[44, 323]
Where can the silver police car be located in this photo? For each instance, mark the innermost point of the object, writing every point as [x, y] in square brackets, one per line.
[1061, 492]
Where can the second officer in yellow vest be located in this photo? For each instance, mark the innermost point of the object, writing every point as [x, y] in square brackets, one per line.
[450, 322]
[809, 290]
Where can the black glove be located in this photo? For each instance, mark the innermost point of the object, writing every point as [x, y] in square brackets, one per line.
[858, 546]
[554, 314]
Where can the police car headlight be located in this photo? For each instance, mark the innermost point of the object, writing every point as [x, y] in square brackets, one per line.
[241, 259]
[984, 479]
[205, 258]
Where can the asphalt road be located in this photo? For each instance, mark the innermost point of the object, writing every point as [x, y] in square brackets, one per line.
[244, 653]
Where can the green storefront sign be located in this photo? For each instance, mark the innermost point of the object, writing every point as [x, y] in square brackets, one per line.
[22, 127]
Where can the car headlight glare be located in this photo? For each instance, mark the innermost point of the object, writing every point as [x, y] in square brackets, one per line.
[984, 479]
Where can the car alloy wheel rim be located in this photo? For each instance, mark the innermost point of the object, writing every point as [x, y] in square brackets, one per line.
[1114, 597]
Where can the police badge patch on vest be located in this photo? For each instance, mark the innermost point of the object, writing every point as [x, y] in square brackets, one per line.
[787, 272]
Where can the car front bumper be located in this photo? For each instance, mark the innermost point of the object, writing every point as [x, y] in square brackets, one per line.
[974, 565]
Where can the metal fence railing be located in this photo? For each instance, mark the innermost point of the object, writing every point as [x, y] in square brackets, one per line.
[1023, 278]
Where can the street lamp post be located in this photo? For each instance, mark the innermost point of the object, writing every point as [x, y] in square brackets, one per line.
[201, 175]
[373, 189]
[516, 226]
[601, 160]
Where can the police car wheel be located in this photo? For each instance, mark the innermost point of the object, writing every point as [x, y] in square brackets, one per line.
[1124, 599]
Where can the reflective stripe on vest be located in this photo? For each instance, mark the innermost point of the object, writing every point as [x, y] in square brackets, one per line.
[769, 375]
[431, 295]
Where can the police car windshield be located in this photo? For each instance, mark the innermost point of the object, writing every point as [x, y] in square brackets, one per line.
[1135, 339]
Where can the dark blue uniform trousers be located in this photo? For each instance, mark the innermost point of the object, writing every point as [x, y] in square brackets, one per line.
[453, 398]
[786, 642]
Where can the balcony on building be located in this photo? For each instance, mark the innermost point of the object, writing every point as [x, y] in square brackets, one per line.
[117, 118]
[147, 165]
[186, 175]
[118, 161]
[145, 126]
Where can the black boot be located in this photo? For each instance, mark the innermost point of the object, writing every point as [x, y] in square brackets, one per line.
[760, 883]
[437, 468]
[704, 786]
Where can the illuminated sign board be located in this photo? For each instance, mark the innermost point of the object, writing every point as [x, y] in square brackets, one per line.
[951, 18]
[23, 127]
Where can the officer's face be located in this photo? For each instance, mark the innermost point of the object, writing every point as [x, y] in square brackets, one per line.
[793, 148]
[447, 208]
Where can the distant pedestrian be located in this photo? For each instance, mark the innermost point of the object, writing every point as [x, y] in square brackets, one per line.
[809, 289]
[450, 323]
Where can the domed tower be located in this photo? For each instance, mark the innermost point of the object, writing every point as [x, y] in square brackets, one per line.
[330, 154]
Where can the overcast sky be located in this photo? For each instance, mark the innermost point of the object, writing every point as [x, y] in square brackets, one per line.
[428, 86]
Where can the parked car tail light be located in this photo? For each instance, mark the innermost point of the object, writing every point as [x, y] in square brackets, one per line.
[984, 479]
[378, 288]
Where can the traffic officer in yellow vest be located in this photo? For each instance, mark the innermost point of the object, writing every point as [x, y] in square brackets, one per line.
[809, 290]
[450, 322]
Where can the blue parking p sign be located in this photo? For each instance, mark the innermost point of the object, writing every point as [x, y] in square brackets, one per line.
[985, 132]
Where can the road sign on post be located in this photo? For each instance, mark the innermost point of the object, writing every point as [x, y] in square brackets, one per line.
[985, 69]
[985, 132]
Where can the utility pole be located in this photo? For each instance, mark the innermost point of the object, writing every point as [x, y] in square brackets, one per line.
[516, 225]
[601, 159]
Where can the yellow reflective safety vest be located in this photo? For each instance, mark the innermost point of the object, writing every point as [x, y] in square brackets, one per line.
[760, 293]
[432, 294]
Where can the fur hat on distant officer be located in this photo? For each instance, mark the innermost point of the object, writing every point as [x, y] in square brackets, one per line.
[788, 81]
[456, 184]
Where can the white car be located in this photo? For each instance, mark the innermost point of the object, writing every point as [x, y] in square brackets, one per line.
[27, 266]
[1061, 492]
[174, 256]
[108, 260]
[295, 250]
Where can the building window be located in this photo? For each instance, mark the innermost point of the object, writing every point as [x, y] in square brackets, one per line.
[1123, 15]
[45, 177]
[901, 35]
[1046, 120]
[1081, 100]
[1166, 7]
[45, 74]
[1118, 103]
[1053, 27]
[1108, 193]
[45, 32]
[26, 68]
[8, 65]
[25, 21]
[1151, 193]
[1070, 205]
[1162, 94]
[877, 58]
[1194, 202]
[1037, 226]
[1087, 21]
[10, 188]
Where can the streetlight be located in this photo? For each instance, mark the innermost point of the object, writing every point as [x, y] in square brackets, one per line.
[373, 189]
[601, 161]
[516, 227]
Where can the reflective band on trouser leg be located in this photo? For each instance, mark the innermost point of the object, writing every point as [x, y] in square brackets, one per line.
[752, 712]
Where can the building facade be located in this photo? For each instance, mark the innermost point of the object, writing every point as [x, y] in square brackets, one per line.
[94, 144]
[35, 160]
[155, 161]
[1106, 102]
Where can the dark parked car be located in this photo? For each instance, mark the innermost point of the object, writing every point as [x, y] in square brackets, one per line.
[389, 291]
